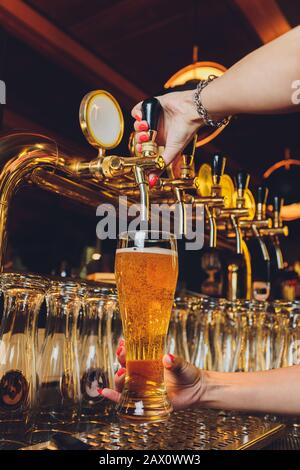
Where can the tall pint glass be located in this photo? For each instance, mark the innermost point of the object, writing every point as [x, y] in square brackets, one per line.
[146, 273]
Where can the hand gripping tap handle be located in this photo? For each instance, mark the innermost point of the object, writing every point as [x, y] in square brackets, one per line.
[217, 167]
[151, 109]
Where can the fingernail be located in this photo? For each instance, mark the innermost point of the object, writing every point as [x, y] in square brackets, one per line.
[153, 180]
[143, 126]
[121, 342]
[100, 390]
[169, 360]
[119, 350]
[143, 138]
[137, 117]
[139, 147]
[121, 371]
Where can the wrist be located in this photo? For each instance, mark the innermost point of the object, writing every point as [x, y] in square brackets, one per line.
[212, 98]
[191, 110]
[218, 388]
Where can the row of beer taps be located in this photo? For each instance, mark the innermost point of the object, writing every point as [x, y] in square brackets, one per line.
[180, 185]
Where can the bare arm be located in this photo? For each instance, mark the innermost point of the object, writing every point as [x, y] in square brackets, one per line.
[260, 83]
[273, 391]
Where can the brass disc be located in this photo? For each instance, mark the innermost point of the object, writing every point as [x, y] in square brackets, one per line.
[204, 180]
[227, 190]
[249, 203]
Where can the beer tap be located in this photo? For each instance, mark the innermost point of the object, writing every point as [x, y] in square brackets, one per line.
[276, 230]
[229, 219]
[238, 211]
[257, 248]
[253, 227]
[181, 177]
[217, 170]
[117, 172]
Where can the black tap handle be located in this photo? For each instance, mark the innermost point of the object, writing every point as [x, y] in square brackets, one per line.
[151, 109]
[262, 195]
[218, 165]
[277, 204]
[242, 180]
[190, 147]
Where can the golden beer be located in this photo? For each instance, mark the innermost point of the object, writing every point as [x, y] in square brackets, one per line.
[146, 280]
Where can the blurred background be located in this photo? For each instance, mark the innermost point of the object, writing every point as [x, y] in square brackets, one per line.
[52, 52]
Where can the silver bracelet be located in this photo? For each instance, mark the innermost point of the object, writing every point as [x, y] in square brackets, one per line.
[200, 108]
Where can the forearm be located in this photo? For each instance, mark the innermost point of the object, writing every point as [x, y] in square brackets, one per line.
[274, 391]
[260, 83]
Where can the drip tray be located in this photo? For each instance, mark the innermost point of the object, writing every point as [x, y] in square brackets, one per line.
[189, 429]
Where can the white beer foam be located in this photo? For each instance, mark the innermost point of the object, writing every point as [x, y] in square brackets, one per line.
[150, 250]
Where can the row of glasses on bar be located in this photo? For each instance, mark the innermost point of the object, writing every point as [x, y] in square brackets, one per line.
[216, 334]
[57, 383]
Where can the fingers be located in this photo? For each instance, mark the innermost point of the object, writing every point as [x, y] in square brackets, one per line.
[121, 353]
[112, 395]
[120, 379]
[140, 126]
[174, 363]
[136, 112]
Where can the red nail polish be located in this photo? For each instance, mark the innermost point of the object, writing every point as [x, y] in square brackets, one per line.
[143, 138]
[137, 117]
[121, 371]
[139, 147]
[121, 342]
[143, 126]
[171, 357]
[119, 350]
[100, 390]
[153, 180]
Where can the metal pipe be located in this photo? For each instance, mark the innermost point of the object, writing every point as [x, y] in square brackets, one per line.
[238, 234]
[212, 227]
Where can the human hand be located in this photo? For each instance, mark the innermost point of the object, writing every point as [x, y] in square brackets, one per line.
[178, 122]
[184, 382]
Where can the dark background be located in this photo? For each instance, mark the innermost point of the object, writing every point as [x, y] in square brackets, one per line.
[145, 41]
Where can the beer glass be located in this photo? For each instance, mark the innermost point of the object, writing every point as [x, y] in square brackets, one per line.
[58, 367]
[146, 270]
[96, 355]
[23, 296]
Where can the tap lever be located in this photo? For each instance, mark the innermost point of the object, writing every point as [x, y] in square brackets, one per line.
[151, 109]
[277, 205]
[217, 168]
[262, 195]
[242, 180]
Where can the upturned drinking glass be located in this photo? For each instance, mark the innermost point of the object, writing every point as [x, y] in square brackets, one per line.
[23, 296]
[97, 351]
[58, 367]
[146, 270]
